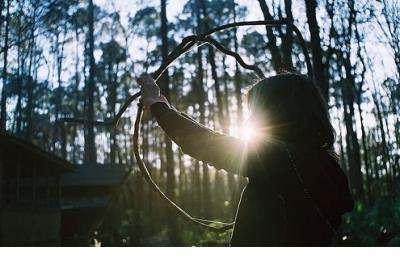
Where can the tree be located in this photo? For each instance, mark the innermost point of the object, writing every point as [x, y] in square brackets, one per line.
[109, 69]
[90, 146]
[3, 108]
[317, 53]
[276, 57]
[164, 85]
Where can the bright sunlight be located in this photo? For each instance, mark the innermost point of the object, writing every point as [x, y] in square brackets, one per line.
[248, 132]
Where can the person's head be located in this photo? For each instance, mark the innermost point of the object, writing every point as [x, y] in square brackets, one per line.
[291, 109]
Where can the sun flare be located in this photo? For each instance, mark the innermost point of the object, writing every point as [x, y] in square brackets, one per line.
[248, 132]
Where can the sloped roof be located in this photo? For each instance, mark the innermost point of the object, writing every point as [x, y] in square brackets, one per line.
[14, 148]
[95, 175]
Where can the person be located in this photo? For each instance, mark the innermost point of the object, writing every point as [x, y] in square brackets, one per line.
[296, 191]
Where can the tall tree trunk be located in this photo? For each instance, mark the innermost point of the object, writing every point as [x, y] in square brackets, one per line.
[353, 147]
[218, 94]
[90, 155]
[238, 75]
[348, 92]
[112, 90]
[21, 56]
[30, 82]
[364, 145]
[207, 205]
[201, 97]
[287, 39]
[164, 85]
[319, 68]
[76, 89]
[59, 92]
[384, 146]
[3, 116]
[214, 75]
[271, 45]
[358, 92]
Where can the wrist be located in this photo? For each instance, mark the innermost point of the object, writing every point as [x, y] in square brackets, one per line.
[159, 108]
[153, 100]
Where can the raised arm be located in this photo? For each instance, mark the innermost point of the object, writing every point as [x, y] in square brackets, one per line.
[219, 150]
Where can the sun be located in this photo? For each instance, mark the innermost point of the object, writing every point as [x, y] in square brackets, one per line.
[248, 132]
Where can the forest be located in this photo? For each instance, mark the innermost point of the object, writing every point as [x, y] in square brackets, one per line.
[66, 64]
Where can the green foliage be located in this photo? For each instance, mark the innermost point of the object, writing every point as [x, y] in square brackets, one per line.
[377, 225]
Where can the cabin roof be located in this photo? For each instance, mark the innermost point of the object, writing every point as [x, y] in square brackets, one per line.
[17, 148]
[95, 175]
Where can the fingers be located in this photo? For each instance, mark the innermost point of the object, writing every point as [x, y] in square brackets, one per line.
[148, 86]
[146, 80]
[150, 92]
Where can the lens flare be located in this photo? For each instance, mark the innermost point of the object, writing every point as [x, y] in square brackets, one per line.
[248, 132]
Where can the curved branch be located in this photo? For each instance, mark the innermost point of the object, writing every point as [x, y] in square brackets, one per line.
[186, 44]
[272, 23]
[237, 57]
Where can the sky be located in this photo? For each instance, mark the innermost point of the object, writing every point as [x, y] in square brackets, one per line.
[381, 55]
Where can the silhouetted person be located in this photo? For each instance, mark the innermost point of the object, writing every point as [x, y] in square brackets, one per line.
[296, 191]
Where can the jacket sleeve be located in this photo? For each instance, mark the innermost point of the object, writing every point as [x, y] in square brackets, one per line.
[219, 150]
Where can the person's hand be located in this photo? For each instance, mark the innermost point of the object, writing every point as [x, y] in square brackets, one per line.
[150, 92]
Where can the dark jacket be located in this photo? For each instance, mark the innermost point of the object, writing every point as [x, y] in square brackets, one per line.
[274, 208]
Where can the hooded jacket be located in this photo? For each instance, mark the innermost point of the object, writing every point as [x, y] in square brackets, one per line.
[295, 196]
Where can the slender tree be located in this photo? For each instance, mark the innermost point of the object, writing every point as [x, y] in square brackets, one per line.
[271, 45]
[170, 165]
[90, 146]
[3, 108]
[317, 53]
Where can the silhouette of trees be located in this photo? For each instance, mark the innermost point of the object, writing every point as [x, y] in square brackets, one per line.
[73, 59]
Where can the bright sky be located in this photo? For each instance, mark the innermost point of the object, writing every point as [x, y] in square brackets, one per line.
[382, 59]
[381, 54]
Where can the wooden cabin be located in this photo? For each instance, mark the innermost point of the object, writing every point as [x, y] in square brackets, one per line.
[86, 195]
[30, 194]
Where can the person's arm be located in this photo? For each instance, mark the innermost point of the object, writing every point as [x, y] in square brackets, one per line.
[219, 150]
[196, 140]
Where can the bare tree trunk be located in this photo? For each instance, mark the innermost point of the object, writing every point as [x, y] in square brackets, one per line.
[238, 76]
[3, 116]
[319, 67]
[358, 93]
[21, 56]
[287, 39]
[59, 92]
[90, 155]
[384, 146]
[351, 137]
[201, 97]
[214, 75]
[112, 89]
[77, 81]
[30, 79]
[271, 45]
[364, 144]
[348, 89]
[164, 84]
